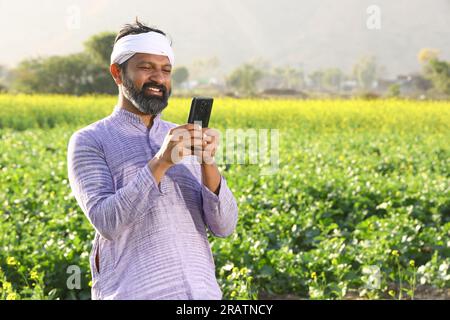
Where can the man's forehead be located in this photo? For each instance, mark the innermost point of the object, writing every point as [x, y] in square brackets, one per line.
[141, 58]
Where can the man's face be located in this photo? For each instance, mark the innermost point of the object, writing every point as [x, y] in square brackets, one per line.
[147, 83]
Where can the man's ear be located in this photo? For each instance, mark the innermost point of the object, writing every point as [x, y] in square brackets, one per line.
[115, 72]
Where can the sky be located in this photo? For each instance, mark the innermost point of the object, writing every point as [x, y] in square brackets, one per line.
[307, 34]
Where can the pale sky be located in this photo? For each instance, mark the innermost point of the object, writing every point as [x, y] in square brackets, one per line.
[310, 34]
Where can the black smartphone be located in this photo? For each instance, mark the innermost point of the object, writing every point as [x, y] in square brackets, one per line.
[200, 110]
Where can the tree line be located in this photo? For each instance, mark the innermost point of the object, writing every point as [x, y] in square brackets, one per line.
[87, 72]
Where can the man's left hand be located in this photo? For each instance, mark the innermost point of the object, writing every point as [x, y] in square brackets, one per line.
[210, 141]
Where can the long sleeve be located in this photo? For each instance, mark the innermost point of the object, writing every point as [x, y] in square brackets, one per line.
[220, 211]
[108, 210]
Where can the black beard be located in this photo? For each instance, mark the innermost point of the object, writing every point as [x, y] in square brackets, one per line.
[144, 103]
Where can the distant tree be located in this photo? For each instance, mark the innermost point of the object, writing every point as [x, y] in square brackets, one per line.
[365, 71]
[203, 69]
[317, 79]
[332, 78]
[245, 78]
[72, 74]
[28, 76]
[426, 54]
[100, 47]
[3, 78]
[438, 72]
[180, 75]
[394, 90]
[80, 73]
[291, 78]
[3, 71]
[420, 83]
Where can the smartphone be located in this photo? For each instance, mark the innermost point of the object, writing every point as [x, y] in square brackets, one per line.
[200, 111]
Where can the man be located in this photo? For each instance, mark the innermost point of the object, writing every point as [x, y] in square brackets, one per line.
[131, 175]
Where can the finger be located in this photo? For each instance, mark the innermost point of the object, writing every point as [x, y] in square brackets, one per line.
[211, 142]
[177, 154]
[188, 126]
[187, 152]
[180, 135]
[211, 134]
[210, 149]
[195, 150]
[207, 157]
[209, 139]
[194, 142]
[184, 132]
[193, 134]
[182, 149]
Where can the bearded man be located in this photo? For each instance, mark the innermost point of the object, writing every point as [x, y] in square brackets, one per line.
[129, 172]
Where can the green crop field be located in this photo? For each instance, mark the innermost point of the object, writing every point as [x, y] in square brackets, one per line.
[359, 207]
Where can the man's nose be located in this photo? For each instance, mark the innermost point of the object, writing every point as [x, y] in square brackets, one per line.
[157, 76]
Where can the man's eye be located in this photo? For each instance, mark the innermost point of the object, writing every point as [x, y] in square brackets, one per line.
[145, 68]
[167, 71]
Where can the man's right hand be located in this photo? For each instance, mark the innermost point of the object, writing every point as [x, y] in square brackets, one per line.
[177, 144]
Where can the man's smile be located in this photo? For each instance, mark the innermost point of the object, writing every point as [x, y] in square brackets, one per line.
[154, 91]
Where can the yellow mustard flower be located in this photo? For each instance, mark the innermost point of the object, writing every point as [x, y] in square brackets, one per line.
[34, 275]
[12, 296]
[11, 261]
[7, 286]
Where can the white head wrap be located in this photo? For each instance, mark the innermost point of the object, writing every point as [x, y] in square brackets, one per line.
[148, 42]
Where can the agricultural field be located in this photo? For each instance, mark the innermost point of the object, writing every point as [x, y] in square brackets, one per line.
[358, 208]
